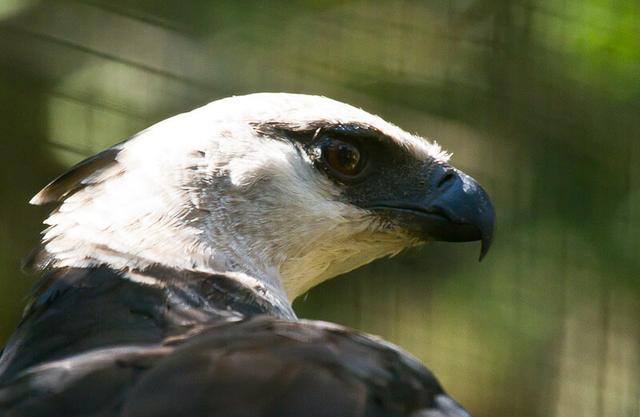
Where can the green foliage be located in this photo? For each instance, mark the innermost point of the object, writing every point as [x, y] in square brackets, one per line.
[538, 99]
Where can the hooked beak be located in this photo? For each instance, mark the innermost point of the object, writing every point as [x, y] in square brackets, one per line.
[454, 209]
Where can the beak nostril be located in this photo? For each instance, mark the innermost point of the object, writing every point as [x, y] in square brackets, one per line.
[448, 176]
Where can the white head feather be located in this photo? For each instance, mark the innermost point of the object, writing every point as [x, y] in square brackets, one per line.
[204, 191]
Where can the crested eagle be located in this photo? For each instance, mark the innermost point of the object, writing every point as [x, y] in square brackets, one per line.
[171, 259]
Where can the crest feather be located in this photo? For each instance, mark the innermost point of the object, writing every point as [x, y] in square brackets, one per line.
[90, 171]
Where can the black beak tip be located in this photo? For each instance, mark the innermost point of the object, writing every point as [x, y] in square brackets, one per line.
[487, 231]
[479, 212]
[484, 247]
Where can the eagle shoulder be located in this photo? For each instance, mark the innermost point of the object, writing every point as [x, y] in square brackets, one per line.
[255, 367]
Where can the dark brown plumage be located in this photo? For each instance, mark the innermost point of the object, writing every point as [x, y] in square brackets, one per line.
[94, 343]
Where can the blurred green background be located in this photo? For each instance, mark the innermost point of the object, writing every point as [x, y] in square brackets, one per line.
[538, 99]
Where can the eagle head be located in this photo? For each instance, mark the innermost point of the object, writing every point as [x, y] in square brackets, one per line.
[285, 189]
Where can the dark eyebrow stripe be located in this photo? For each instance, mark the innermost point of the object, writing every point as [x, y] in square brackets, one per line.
[306, 132]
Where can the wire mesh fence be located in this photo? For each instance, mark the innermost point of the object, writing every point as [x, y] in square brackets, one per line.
[538, 99]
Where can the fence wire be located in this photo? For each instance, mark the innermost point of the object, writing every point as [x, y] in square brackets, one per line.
[538, 99]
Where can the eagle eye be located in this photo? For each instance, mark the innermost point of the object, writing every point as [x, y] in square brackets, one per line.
[343, 158]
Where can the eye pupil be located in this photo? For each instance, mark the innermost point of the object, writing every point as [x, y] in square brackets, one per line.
[343, 158]
[348, 156]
